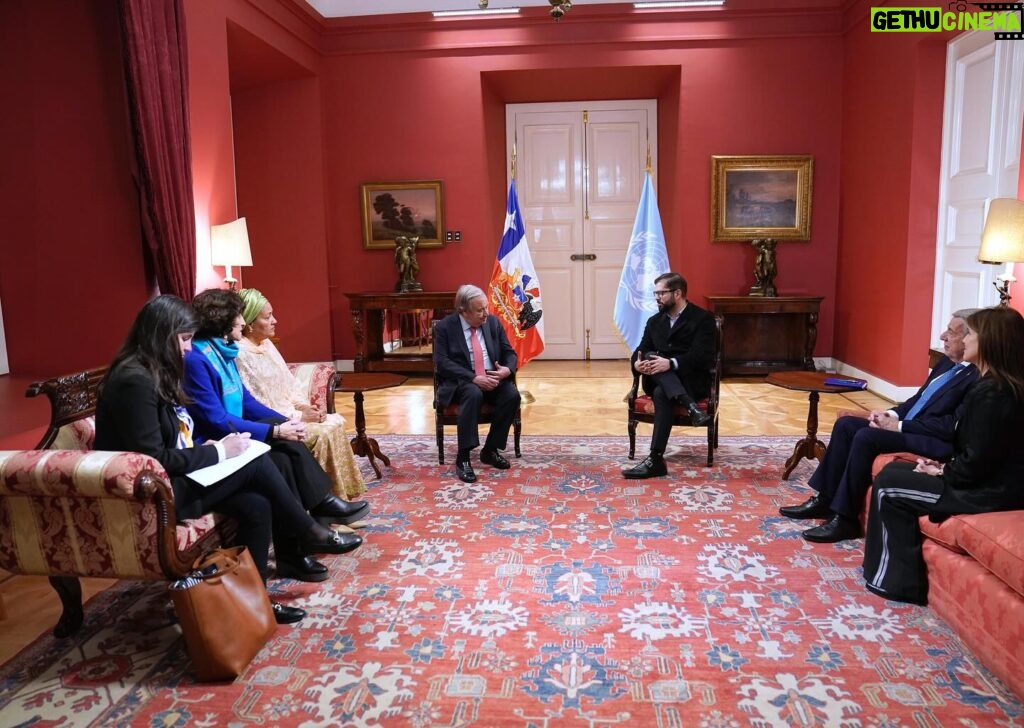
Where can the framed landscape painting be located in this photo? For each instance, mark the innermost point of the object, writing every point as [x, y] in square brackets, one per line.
[402, 208]
[761, 197]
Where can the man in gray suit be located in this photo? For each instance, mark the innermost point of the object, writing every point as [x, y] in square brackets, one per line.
[475, 363]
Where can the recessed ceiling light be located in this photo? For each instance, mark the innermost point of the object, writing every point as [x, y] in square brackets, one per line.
[474, 13]
[664, 4]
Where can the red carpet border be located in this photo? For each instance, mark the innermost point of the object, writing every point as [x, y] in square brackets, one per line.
[552, 594]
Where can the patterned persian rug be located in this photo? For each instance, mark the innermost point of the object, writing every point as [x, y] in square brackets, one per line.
[552, 594]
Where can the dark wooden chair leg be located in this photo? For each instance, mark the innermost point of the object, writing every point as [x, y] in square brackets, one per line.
[69, 589]
[711, 443]
[517, 431]
[439, 433]
[631, 428]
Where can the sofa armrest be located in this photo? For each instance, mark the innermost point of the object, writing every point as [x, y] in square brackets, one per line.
[87, 513]
[319, 380]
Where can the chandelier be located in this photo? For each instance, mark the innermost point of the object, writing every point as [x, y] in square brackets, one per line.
[558, 7]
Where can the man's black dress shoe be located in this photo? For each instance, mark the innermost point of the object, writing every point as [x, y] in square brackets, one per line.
[698, 416]
[335, 543]
[333, 509]
[495, 459]
[920, 601]
[653, 466]
[813, 507]
[839, 528]
[301, 568]
[287, 615]
[465, 472]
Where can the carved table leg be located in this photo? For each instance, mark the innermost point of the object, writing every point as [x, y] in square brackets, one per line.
[810, 447]
[365, 446]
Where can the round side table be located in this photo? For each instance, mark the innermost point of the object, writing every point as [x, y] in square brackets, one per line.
[809, 447]
[358, 383]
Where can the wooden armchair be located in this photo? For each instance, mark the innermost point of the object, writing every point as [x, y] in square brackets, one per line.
[450, 415]
[640, 407]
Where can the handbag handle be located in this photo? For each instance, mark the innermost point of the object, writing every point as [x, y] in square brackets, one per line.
[210, 567]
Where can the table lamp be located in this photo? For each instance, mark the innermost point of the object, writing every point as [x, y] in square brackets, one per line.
[1002, 241]
[229, 246]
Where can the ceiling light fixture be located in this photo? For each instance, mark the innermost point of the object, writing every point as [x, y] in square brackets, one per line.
[483, 12]
[669, 4]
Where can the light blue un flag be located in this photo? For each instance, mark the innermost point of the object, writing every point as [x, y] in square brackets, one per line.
[646, 259]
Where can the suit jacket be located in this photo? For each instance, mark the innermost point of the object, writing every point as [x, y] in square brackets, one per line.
[452, 360]
[130, 416]
[938, 417]
[203, 384]
[691, 342]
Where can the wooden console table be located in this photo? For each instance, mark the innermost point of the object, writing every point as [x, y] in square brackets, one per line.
[763, 335]
[368, 311]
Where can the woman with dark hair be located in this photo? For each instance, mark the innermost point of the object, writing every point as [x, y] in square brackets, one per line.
[985, 473]
[140, 409]
[220, 404]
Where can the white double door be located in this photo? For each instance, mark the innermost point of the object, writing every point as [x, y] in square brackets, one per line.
[580, 171]
[981, 149]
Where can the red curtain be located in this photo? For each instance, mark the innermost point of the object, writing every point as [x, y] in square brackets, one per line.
[156, 71]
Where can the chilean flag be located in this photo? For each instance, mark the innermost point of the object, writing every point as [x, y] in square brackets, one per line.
[514, 290]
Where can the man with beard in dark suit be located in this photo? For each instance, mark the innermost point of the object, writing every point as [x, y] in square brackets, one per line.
[674, 357]
[475, 362]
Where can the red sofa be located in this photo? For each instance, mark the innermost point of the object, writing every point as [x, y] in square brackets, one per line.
[976, 583]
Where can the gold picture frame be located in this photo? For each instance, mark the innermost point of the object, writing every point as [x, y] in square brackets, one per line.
[761, 197]
[402, 208]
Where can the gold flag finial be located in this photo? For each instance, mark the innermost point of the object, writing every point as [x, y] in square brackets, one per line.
[513, 159]
[648, 151]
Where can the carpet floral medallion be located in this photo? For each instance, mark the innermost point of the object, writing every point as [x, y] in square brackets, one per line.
[555, 593]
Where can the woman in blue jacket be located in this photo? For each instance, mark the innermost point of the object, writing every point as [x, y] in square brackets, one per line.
[220, 404]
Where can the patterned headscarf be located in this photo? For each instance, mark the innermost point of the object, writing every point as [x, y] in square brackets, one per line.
[253, 302]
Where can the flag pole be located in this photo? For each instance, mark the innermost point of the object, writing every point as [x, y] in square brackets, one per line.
[524, 394]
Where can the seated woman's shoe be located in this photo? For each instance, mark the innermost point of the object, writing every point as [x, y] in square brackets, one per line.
[334, 510]
[323, 540]
[287, 615]
[301, 568]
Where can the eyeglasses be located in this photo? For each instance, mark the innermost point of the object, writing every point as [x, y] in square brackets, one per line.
[659, 294]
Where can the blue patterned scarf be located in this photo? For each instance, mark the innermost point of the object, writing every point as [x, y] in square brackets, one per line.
[222, 355]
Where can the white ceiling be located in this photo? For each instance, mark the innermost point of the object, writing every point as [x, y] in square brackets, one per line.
[348, 8]
[352, 8]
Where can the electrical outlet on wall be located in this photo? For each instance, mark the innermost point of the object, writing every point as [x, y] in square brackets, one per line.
[453, 236]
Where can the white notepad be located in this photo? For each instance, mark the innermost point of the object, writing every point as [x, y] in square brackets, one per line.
[215, 473]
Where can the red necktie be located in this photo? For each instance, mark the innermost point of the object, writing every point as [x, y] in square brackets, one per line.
[478, 351]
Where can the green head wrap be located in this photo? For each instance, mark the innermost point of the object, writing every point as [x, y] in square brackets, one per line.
[253, 302]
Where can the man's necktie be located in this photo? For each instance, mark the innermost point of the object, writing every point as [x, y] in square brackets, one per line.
[934, 386]
[478, 351]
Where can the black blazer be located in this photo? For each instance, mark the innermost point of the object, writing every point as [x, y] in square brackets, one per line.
[130, 416]
[452, 359]
[987, 467]
[938, 417]
[691, 342]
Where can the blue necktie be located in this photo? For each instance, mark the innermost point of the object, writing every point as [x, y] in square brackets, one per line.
[934, 386]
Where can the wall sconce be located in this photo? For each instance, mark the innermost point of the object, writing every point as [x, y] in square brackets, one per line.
[229, 246]
[1002, 241]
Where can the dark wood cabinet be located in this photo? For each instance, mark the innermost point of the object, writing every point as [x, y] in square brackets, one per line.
[763, 335]
[370, 311]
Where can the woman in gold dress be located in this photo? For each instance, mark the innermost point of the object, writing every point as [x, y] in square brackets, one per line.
[267, 377]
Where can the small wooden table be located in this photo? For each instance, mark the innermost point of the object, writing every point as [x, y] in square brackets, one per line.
[357, 383]
[814, 382]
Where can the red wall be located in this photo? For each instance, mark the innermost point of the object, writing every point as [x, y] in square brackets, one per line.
[71, 264]
[892, 136]
[436, 110]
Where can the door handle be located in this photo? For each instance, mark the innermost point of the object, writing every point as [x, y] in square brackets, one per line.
[583, 256]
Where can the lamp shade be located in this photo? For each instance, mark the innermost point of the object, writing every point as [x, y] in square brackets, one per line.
[1002, 241]
[229, 244]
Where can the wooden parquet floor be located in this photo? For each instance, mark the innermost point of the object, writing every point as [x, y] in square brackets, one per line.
[569, 398]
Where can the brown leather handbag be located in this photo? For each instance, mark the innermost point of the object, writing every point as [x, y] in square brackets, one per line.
[224, 612]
